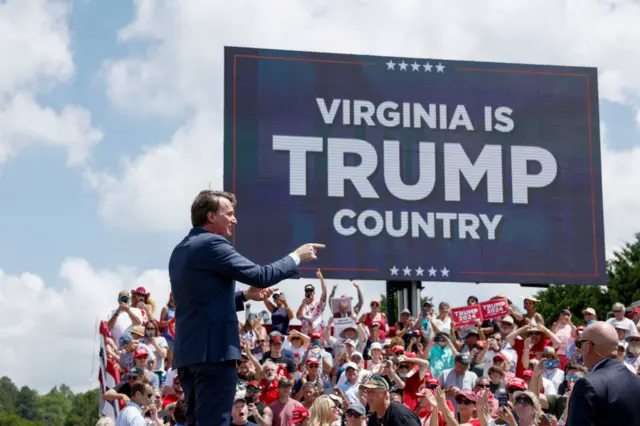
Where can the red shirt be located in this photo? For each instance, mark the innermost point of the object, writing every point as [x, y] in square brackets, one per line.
[169, 399]
[368, 321]
[268, 391]
[537, 349]
[411, 387]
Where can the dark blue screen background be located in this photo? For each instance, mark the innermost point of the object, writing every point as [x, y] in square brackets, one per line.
[556, 238]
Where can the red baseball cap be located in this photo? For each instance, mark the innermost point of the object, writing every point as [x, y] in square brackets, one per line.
[397, 349]
[499, 355]
[471, 396]
[527, 374]
[432, 381]
[299, 414]
[140, 352]
[316, 335]
[517, 383]
[313, 361]
[254, 383]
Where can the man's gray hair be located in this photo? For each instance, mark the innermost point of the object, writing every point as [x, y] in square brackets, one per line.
[105, 421]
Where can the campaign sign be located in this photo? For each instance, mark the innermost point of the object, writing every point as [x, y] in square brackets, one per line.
[414, 168]
[494, 308]
[466, 315]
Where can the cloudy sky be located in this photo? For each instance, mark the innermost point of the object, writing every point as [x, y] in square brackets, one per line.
[100, 99]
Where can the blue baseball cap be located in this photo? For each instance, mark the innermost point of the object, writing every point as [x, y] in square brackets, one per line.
[125, 339]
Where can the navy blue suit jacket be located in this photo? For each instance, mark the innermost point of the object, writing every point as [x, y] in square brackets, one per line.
[202, 270]
[609, 395]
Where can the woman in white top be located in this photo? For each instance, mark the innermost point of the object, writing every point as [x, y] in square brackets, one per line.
[442, 323]
[253, 330]
[158, 344]
[297, 343]
[566, 333]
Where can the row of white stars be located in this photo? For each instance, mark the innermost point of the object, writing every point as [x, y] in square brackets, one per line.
[414, 66]
[419, 271]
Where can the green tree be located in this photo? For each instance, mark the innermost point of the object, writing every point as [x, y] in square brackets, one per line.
[623, 273]
[54, 407]
[383, 303]
[12, 419]
[27, 403]
[85, 409]
[8, 394]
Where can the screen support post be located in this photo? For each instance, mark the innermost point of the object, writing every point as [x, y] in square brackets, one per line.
[408, 293]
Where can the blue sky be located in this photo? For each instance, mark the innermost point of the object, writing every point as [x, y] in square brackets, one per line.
[150, 76]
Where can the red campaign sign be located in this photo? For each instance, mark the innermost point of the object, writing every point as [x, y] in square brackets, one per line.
[171, 325]
[495, 308]
[466, 315]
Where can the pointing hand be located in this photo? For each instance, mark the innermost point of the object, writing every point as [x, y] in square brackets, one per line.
[307, 252]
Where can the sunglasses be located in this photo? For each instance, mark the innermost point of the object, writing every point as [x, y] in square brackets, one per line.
[253, 390]
[523, 401]
[574, 377]
[353, 414]
[617, 311]
[433, 387]
[483, 386]
[580, 342]
[312, 366]
[403, 367]
[464, 401]
[534, 333]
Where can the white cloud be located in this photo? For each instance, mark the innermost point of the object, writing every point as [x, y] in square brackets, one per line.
[183, 72]
[42, 328]
[23, 122]
[183, 67]
[37, 44]
[175, 171]
[620, 174]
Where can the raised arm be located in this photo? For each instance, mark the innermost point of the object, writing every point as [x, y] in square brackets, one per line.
[227, 261]
[323, 284]
[358, 307]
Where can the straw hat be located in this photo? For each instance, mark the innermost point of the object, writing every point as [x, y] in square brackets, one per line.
[295, 333]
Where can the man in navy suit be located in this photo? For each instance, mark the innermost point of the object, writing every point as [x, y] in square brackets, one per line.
[202, 270]
[609, 394]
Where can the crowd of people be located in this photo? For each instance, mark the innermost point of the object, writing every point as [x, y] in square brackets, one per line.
[355, 368]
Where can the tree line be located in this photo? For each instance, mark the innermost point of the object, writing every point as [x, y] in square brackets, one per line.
[59, 407]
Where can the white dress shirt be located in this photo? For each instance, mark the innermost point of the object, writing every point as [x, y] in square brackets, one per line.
[131, 416]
